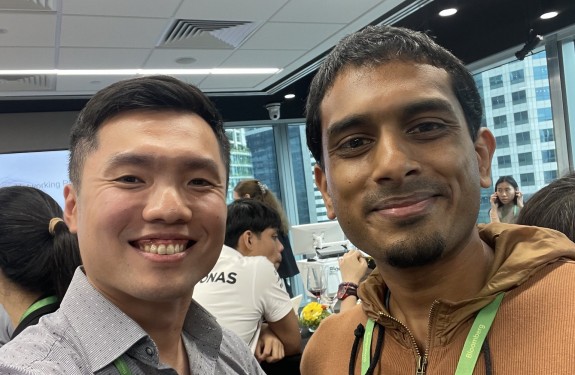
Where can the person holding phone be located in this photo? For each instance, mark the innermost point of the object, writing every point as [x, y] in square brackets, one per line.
[506, 201]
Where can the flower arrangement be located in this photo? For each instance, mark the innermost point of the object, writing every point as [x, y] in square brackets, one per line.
[312, 315]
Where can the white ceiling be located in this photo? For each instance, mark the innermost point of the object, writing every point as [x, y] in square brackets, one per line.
[130, 34]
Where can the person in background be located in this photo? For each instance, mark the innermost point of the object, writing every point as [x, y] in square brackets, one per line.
[553, 206]
[393, 121]
[149, 169]
[506, 201]
[244, 291]
[38, 255]
[257, 190]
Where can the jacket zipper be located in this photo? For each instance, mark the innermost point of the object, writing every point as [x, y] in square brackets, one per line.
[421, 361]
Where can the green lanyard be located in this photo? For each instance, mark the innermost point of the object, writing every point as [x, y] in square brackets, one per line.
[471, 348]
[122, 367]
[38, 305]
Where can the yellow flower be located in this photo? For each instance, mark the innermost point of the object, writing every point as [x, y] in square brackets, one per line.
[312, 314]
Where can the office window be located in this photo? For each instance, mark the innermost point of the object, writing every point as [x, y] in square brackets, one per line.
[500, 122]
[548, 156]
[496, 82]
[521, 117]
[527, 179]
[517, 76]
[504, 161]
[498, 101]
[519, 97]
[539, 55]
[540, 72]
[502, 141]
[525, 158]
[253, 155]
[546, 135]
[544, 114]
[549, 176]
[542, 93]
[523, 138]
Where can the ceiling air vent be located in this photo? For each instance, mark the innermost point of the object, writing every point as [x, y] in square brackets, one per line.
[208, 34]
[15, 83]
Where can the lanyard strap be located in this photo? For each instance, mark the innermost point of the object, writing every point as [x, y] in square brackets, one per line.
[366, 351]
[471, 348]
[122, 367]
[477, 336]
[38, 305]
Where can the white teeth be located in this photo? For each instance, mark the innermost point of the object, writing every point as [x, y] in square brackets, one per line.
[162, 249]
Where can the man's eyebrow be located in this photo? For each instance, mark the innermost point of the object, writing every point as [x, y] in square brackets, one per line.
[426, 105]
[147, 160]
[344, 124]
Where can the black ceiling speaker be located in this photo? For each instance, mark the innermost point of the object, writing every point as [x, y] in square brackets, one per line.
[532, 42]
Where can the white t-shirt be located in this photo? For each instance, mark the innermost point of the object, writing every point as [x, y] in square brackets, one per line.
[240, 290]
[6, 328]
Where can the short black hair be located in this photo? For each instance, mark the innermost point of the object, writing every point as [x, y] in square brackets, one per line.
[154, 93]
[249, 214]
[553, 206]
[377, 45]
[30, 256]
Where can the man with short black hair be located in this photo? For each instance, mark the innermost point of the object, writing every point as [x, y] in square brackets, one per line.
[244, 289]
[394, 123]
[149, 165]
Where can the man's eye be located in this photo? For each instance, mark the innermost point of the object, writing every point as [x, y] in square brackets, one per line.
[427, 127]
[355, 143]
[129, 179]
[199, 182]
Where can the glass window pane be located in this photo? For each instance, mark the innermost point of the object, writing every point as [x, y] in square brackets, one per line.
[525, 158]
[523, 138]
[496, 82]
[253, 155]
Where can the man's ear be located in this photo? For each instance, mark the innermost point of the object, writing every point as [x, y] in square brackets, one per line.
[71, 208]
[321, 183]
[484, 148]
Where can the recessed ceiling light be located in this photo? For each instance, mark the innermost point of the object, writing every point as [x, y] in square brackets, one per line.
[547, 15]
[448, 12]
[289, 96]
[185, 60]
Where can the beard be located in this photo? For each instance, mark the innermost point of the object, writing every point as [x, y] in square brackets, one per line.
[416, 251]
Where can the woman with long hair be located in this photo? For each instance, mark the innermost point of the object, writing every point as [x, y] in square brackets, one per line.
[506, 201]
[38, 255]
[255, 189]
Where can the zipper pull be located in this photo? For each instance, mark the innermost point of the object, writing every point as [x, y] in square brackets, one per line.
[421, 365]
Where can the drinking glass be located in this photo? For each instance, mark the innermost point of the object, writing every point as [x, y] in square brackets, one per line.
[316, 282]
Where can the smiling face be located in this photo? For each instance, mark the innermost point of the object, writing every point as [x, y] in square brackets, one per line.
[151, 212]
[401, 173]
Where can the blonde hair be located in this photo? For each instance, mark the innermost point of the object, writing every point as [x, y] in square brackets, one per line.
[257, 190]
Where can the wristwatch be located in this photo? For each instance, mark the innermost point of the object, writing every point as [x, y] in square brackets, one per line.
[346, 289]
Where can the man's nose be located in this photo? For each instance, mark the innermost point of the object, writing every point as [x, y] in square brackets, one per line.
[167, 204]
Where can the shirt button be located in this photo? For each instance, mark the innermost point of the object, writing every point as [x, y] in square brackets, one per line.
[150, 351]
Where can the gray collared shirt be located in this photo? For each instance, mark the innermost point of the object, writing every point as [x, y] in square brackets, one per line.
[88, 333]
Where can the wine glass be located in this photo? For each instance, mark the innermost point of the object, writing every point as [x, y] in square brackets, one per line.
[333, 279]
[316, 282]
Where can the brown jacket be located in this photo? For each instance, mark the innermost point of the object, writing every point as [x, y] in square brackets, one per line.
[533, 332]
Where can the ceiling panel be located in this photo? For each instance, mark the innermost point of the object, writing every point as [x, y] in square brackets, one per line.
[27, 58]
[218, 82]
[101, 58]
[205, 59]
[245, 10]
[126, 8]
[326, 11]
[262, 58]
[28, 29]
[285, 36]
[119, 32]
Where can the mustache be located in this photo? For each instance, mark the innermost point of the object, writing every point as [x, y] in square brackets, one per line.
[406, 190]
